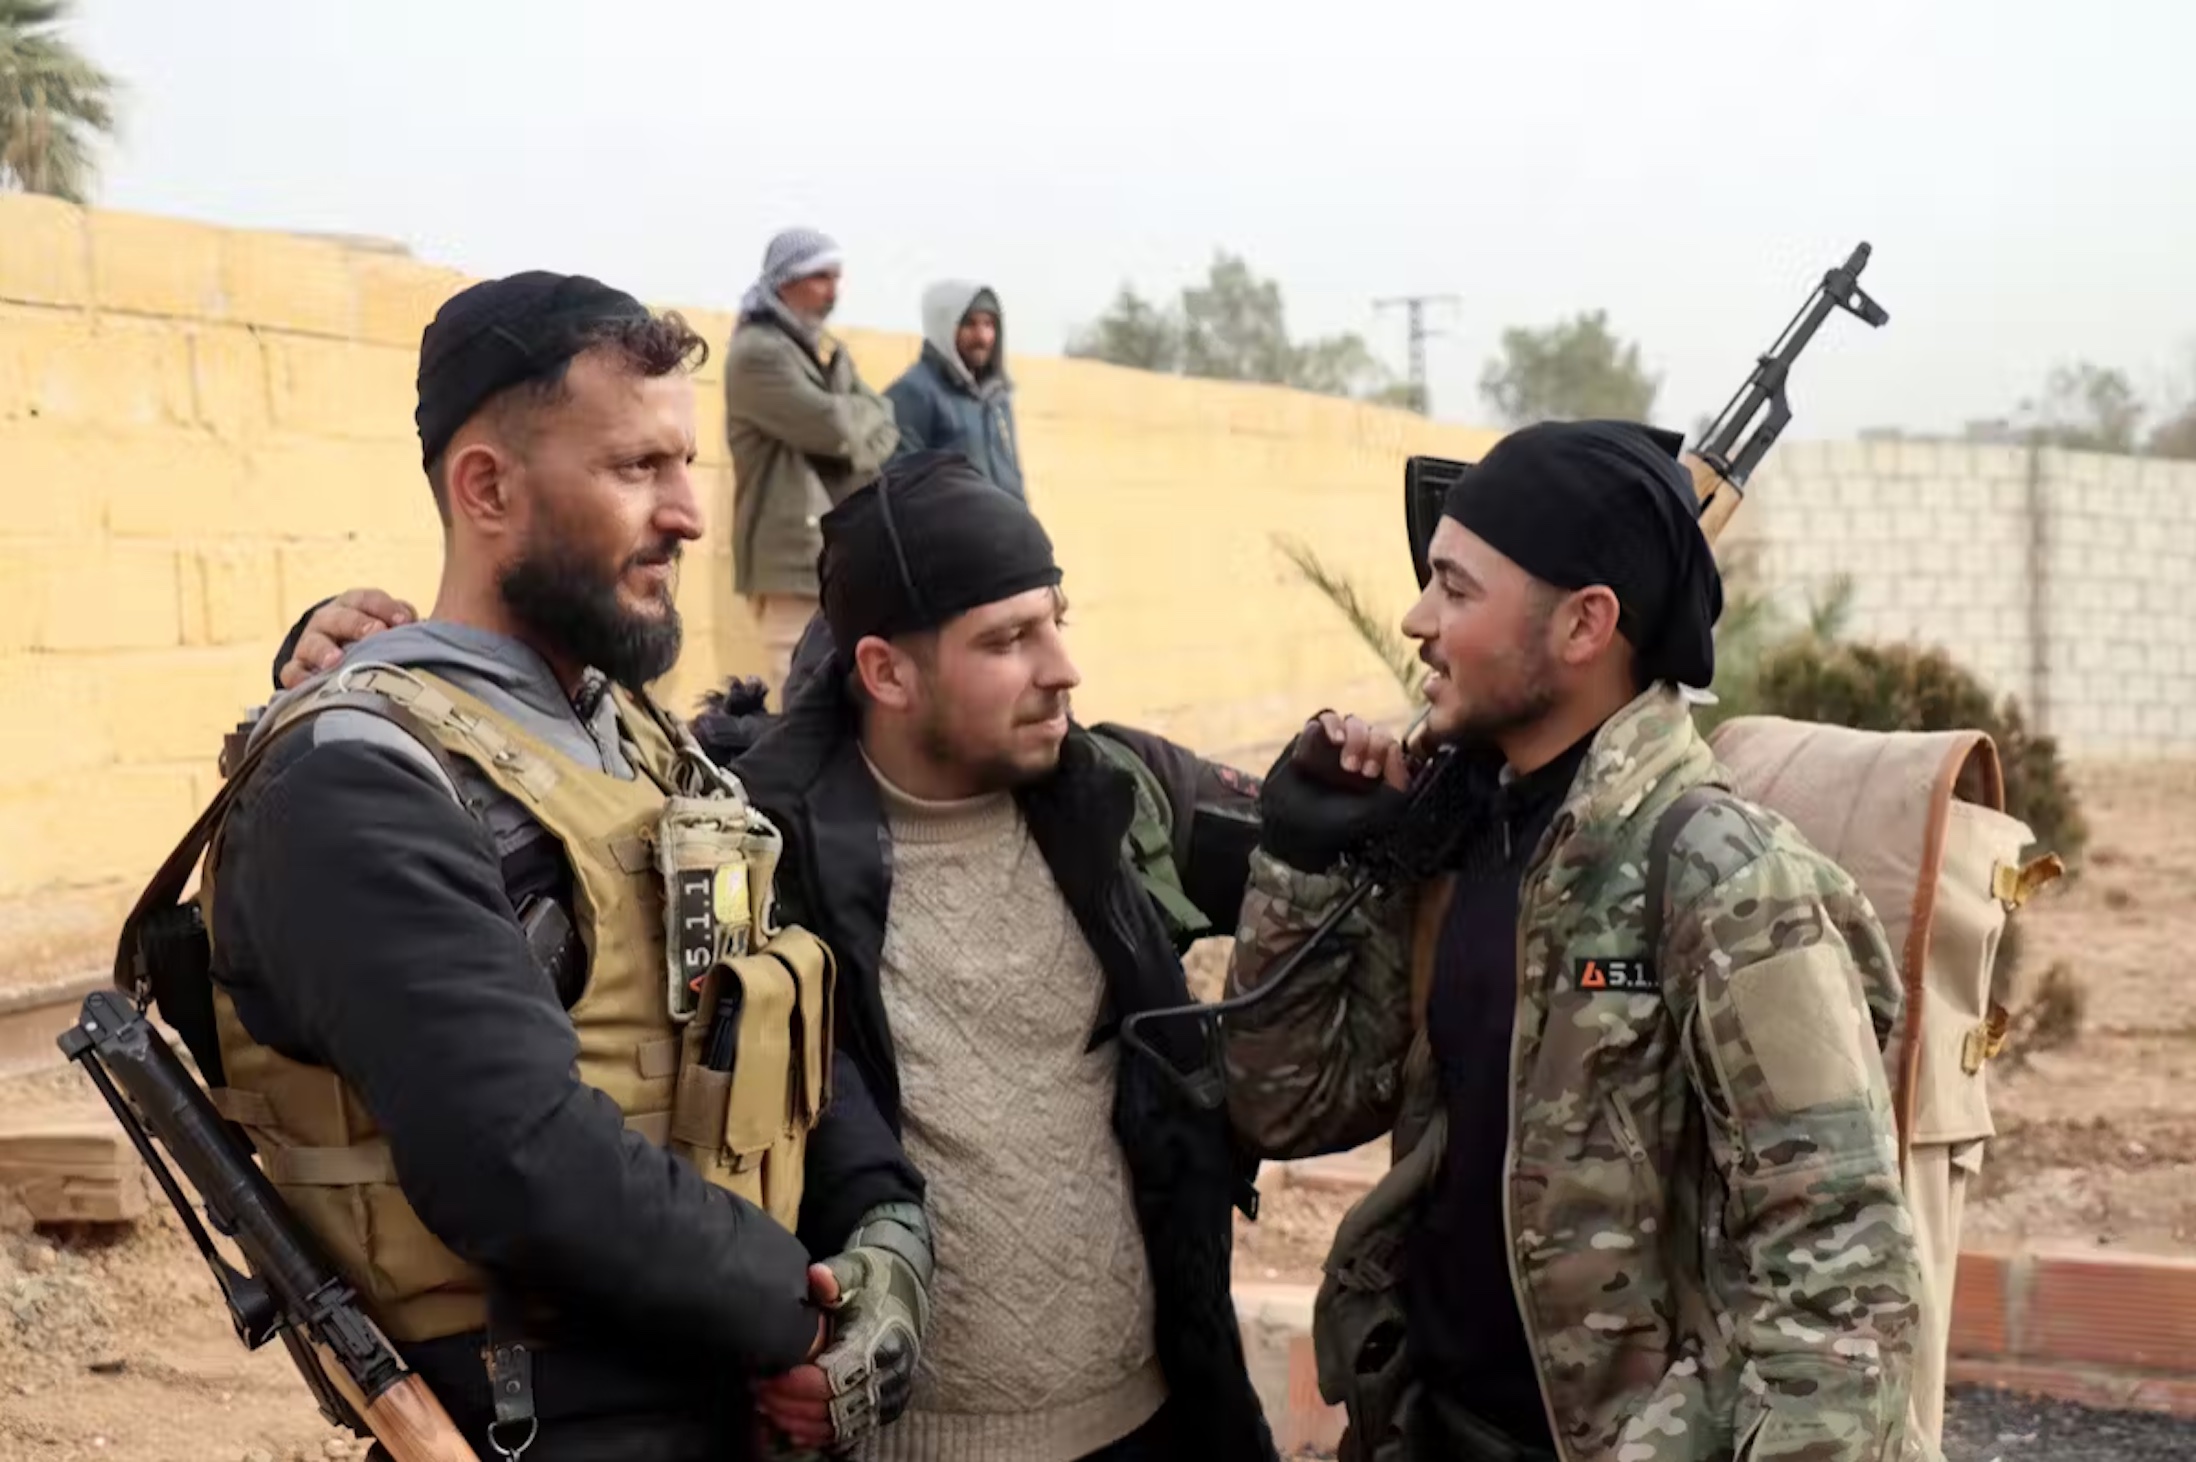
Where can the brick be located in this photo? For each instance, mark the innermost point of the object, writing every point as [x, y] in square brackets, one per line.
[398, 297]
[155, 266]
[71, 368]
[42, 251]
[47, 494]
[1980, 1301]
[106, 596]
[342, 389]
[229, 392]
[232, 594]
[289, 283]
[2138, 1311]
[201, 692]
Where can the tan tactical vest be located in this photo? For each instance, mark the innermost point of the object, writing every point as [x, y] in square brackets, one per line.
[656, 968]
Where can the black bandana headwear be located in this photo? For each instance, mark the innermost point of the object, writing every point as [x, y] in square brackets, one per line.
[499, 333]
[929, 540]
[1605, 502]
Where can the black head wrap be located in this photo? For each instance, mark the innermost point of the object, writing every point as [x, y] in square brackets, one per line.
[930, 539]
[1605, 502]
[499, 333]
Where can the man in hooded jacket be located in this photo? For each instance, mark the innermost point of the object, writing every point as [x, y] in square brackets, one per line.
[957, 397]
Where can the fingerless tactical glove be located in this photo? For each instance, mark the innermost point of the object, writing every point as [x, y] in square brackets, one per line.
[877, 1325]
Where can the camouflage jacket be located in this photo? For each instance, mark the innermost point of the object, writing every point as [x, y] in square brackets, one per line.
[1709, 1242]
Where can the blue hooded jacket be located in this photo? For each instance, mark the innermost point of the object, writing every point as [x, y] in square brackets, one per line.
[940, 404]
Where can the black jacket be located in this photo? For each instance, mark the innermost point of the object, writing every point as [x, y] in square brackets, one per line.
[363, 921]
[806, 772]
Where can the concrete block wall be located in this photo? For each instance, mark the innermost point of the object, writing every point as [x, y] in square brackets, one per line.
[2058, 577]
[204, 431]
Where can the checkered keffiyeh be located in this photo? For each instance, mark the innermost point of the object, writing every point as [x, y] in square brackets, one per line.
[793, 254]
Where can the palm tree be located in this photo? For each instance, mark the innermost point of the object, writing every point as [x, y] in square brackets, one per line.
[53, 103]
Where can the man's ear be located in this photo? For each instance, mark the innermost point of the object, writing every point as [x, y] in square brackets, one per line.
[887, 675]
[478, 477]
[1587, 624]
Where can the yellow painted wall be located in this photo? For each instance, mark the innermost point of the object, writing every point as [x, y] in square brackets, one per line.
[203, 431]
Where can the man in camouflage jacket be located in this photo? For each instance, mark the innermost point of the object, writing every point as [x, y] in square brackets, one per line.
[1690, 1188]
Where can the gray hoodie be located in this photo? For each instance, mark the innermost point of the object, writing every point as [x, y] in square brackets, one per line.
[941, 405]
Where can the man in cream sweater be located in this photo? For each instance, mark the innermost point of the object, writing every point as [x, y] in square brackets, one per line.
[963, 846]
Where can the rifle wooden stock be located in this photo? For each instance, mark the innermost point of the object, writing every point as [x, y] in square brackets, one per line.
[1721, 498]
[406, 1418]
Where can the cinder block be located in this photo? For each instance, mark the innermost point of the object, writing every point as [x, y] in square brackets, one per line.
[155, 266]
[201, 693]
[289, 283]
[58, 717]
[230, 396]
[338, 388]
[315, 487]
[313, 571]
[232, 594]
[398, 297]
[2081, 469]
[109, 596]
[1848, 458]
[90, 827]
[104, 373]
[46, 490]
[42, 251]
[1921, 460]
[167, 485]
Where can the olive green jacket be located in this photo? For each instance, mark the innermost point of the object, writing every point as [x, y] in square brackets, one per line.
[804, 432]
[1709, 1243]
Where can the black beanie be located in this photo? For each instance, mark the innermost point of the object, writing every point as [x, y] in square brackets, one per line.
[929, 540]
[502, 332]
[1605, 502]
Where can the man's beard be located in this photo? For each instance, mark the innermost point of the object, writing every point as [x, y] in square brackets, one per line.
[570, 604]
[1000, 771]
[1528, 698]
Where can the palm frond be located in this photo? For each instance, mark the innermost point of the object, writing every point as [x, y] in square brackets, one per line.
[1379, 632]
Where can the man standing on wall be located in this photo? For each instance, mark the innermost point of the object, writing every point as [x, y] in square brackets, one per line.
[957, 396]
[804, 432]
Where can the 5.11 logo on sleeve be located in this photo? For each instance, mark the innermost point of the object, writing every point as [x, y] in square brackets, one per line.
[1625, 976]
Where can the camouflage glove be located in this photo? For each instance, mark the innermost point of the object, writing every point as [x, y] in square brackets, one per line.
[877, 1325]
[1311, 813]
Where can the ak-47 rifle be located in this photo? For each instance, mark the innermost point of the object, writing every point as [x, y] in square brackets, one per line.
[1720, 466]
[288, 1287]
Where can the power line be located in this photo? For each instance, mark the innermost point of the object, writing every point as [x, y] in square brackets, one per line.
[1414, 310]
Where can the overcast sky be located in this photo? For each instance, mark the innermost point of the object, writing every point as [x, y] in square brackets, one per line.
[2026, 169]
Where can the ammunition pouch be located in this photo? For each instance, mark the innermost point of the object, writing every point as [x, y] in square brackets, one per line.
[742, 1119]
[1358, 1319]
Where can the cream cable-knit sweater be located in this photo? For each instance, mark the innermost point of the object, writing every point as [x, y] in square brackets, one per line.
[1040, 1341]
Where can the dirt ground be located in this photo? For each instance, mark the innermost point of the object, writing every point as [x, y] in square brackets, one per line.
[113, 1344]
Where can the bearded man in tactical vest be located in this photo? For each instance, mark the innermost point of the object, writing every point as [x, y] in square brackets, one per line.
[1645, 1201]
[557, 1128]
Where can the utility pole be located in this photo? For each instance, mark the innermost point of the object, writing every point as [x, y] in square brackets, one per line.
[1414, 314]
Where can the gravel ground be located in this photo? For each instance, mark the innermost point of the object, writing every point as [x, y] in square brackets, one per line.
[1997, 1426]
